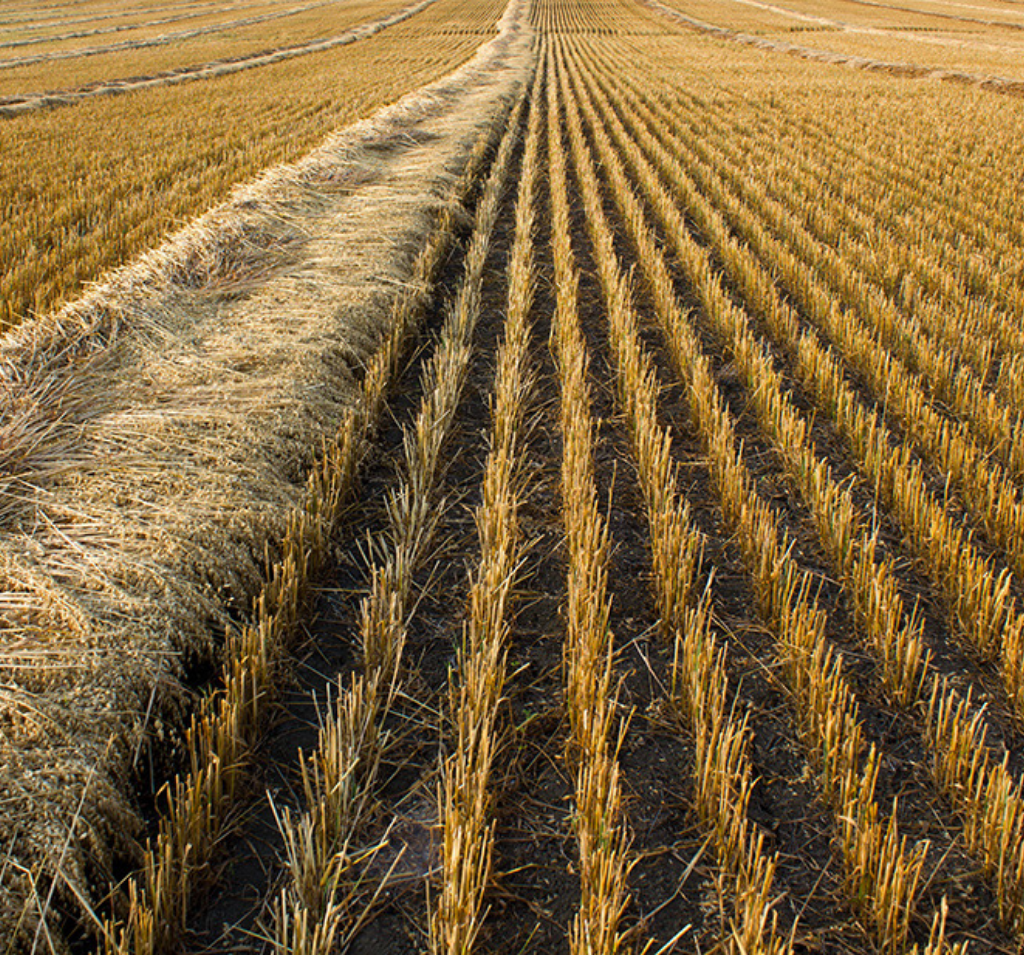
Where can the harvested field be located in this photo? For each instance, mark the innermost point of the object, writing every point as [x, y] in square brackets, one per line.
[579, 508]
[30, 31]
[20, 104]
[979, 45]
[88, 187]
[79, 38]
[71, 66]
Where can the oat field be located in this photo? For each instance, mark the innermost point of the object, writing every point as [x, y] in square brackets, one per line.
[530, 478]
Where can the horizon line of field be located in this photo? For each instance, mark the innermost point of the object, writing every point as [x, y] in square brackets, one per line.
[17, 104]
[828, 21]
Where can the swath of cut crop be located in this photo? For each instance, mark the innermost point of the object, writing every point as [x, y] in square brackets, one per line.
[132, 639]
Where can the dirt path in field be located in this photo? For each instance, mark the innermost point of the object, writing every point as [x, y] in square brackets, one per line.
[230, 353]
[994, 84]
[16, 105]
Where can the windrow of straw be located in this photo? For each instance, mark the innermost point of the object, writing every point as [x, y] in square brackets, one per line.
[882, 875]
[314, 912]
[168, 424]
[699, 685]
[16, 106]
[590, 696]
[466, 798]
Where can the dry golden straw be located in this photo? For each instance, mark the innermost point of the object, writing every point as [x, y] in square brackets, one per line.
[466, 801]
[590, 699]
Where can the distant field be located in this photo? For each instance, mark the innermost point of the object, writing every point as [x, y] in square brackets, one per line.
[49, 35]
[579, 509]
[985, 38]
[86, 187]
[74, 63]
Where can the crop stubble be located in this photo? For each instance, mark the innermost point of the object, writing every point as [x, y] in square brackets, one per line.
[756, 567]
[88, 187]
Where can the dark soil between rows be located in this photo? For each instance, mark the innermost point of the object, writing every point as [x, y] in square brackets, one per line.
[678, 900]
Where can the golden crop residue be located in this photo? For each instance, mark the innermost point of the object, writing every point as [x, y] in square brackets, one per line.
[85, 188]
